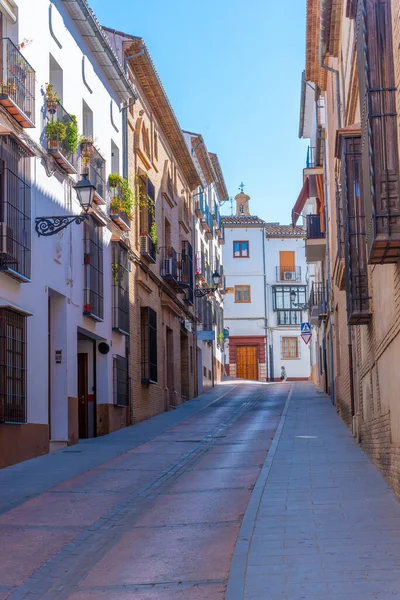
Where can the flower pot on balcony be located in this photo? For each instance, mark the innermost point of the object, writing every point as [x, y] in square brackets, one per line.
[87, 259]
[86, 308]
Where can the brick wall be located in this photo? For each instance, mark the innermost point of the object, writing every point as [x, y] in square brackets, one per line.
[146, 289]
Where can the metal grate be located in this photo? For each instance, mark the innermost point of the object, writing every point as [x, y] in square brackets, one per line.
[94, 286]
[97, 173]
[120, 287]
[148, 330]
[15, 210]
[18, 79]
[289, 317]
[120, 381]
[12, 367]
[290, 348]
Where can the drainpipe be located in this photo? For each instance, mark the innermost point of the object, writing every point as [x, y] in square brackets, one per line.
[265, 304]
[328, 278]
[350, 347]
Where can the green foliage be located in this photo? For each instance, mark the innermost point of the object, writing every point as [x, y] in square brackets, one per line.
[123, 196]
[114, 272]
[73, 138]
[56, 130]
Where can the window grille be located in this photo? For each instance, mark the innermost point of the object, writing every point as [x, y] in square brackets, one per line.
[120, 287]
[12, 367]
[121, 381]
[94, 286]
[148, 325]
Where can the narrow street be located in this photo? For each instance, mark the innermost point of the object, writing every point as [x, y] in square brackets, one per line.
[151, 512]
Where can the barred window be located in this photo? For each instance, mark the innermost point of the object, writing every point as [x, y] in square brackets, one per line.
[290, 348]
[120, 287]
[94, 287]
[148, 331]
[289, 317]
[12, 367]
[120, 381]
[15, 211]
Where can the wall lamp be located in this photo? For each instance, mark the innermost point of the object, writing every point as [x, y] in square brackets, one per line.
[295, 304]
[47, 226]
[205, 291]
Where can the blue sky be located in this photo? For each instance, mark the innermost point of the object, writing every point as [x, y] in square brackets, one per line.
[232, 71]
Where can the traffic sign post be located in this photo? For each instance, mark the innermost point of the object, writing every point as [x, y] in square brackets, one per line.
[306, 337]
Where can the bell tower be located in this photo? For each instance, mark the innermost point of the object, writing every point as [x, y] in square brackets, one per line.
[242, 203]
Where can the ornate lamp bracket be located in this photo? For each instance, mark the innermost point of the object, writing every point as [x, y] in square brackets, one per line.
[47, 226]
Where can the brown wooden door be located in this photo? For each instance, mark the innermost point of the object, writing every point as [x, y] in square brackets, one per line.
[246, 362]
[83, 394]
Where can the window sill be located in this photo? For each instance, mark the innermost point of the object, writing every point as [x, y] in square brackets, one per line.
[93, 316]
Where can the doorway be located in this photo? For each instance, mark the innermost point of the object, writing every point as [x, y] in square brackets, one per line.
[246, 362]
[83, 405]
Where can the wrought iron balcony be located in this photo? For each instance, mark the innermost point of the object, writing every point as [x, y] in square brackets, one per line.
[17, 88]
[97, 176]
[148, 248]
[318, 303]
[200, 265]
[58, 146]
[288, 273]
[315, 239]
[120, 288]
[200, 206]
[311, 157]
[176, 268]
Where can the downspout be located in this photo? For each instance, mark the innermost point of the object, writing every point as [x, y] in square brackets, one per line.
[265, 305]
[328, 277]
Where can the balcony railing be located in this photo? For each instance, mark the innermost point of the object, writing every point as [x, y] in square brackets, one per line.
[176, 268]
[314, 227]
[288, 273]
[200, 205]
[17, 85]
[97, 176]
[148, 248]
[200, 265]
[58, 146]
[317, 302]
[311, 157]
[221, 235]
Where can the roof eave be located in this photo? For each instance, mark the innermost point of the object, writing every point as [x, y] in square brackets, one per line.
[84, 18]
[143, 68]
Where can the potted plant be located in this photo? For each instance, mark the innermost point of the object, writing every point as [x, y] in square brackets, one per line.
[7, 88]
[153, 235]
[56, 133]
[51, 97]
[115, 205]
[86, 258]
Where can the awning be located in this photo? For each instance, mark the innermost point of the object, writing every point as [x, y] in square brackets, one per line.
[313, 187]
[301, 201]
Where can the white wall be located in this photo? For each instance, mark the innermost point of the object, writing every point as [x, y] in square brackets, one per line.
[245, 318]
[57, 262]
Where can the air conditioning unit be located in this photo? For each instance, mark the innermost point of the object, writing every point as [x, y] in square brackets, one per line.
[6, 247]
[289, 276]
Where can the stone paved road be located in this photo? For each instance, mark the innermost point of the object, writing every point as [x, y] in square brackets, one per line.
[152, 512]
[321, 522]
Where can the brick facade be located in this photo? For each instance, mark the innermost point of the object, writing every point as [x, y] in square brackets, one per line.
[176, 357]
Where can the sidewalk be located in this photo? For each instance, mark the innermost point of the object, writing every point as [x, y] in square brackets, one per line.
[321, 522]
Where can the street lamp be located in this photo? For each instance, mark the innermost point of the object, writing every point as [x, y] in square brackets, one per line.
[47, 226]
[295, 304]
[205, 291]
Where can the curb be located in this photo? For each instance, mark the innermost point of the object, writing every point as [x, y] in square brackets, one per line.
[237, 574]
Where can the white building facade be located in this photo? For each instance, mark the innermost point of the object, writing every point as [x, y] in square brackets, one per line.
[64, 303]
[266, 283]
[209, 241]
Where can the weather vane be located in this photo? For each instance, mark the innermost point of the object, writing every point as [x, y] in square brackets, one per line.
[241, 187]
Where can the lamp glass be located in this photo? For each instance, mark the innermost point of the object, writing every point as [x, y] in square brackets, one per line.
[85, 192]
[292, 295]
[216, 277]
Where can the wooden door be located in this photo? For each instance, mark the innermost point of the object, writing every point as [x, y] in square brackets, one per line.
[246, 362]
[83, 395]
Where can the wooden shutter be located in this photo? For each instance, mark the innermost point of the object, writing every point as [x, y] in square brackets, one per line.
[378, 130]
[286, 262]
[355, 250]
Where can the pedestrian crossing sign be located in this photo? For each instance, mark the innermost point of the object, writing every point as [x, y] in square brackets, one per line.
[305, 327]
